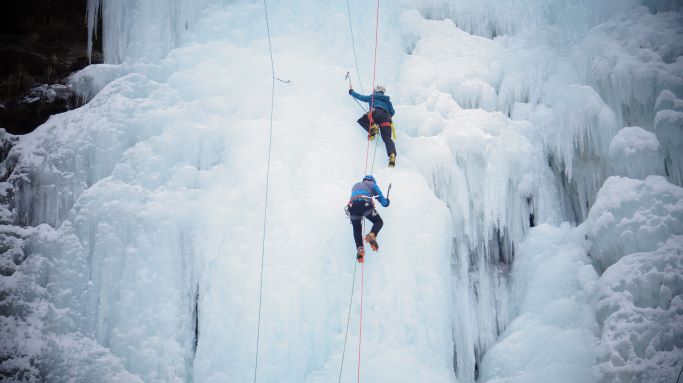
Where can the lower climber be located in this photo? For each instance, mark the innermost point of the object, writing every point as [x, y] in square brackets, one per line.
[380, 118]
[361, 205]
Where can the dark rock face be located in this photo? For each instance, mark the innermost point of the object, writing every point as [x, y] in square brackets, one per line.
[41, 43]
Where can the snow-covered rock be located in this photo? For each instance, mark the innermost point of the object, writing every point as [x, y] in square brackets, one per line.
[640, 310]
[635, 236]
[636, 153]
[632, 216]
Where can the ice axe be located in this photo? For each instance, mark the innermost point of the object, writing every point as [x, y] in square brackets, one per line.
[351, 87]
[388, 190]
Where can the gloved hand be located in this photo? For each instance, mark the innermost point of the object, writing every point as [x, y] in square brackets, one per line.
[350, 90]
[386, 204]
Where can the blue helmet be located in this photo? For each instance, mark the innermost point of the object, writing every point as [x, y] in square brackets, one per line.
[369, 178]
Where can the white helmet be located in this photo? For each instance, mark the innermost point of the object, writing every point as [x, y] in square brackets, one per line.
[380, 88]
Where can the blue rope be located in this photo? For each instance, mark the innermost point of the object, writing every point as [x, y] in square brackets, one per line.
[265, 208]
[353, 44]
[348, 319]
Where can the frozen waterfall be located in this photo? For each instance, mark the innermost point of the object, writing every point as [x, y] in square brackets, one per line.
[535, 232]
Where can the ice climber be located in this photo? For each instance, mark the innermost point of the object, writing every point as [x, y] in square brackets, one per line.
[380, 119]
[361, 205]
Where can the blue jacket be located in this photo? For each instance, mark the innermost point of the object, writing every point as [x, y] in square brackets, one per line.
[366, 190]
[380, 100]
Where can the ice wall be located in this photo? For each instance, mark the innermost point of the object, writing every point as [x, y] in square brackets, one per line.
[140, 213]
[634, 60]
[487, 168]
[140, 30]
[149, 251]
[534, 68]
[553, 336]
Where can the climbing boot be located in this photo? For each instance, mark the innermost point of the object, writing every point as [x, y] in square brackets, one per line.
[392, 160]
[372, 132]
[371, 238]
[360, 254]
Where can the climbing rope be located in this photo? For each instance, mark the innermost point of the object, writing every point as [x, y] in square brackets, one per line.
[362, 268]
[372, 165]
[374, 63]
[360, 321]
[372, 98]
[367, 154]
[353, 44]
[265, 207]
[348, 320]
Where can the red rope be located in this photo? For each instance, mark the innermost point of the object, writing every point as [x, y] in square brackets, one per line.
[367, 152]
[372, 97]
[374, 65]
[360, 331]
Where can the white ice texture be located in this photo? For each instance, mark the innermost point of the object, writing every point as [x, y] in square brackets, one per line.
[636, 152]
[634, 234]
[534, 232]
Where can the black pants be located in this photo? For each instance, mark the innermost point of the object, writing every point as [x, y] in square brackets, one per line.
[380, 115]
[357, 211]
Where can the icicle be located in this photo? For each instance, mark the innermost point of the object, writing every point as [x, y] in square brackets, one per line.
[92, 18]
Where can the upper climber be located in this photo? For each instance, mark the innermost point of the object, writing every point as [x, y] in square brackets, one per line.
[380, 118]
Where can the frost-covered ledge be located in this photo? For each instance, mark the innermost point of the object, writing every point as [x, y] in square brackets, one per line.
[604, 300]
[635, 233]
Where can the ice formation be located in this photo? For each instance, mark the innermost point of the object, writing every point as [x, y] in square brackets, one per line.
[632, 216]
[634, 236]
[636, 152]
[534, 232]
[554, 285]
[639, 310]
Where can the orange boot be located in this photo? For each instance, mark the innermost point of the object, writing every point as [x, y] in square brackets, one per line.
[360, 255]
[371, 238]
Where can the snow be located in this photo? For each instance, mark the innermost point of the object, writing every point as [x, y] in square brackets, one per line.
[636, 153]
[632, 216]
[667, 100]
[132, 226]
[634, 233]
[631, 311]
[641, 313]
